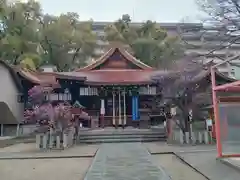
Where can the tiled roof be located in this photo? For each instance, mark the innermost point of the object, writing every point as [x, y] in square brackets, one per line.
[13, 74]
[108, 76]
[113, 76]
[43, 78]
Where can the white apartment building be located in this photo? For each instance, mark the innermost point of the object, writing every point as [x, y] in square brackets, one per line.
[197, 39]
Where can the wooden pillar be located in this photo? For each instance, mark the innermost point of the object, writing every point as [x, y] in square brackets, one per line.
[216, 113]
[124, 108]
[102, 112]
[114, 120]
[120, 109]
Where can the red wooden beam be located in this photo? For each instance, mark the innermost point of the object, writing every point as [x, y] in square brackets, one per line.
[226, 86]
[229, 99]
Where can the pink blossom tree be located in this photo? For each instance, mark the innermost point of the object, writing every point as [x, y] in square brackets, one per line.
[47, 116]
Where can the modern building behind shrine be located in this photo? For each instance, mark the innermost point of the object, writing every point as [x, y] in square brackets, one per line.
[201, 39]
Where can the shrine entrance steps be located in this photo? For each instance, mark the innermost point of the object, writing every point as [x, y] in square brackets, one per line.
[112, 135]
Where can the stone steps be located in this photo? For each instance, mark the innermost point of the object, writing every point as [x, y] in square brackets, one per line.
[117, 136]
[123, 136]
[121, 133]
[120, 140]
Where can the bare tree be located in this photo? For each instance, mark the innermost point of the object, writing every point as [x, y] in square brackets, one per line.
[180, 84]
[221, 24]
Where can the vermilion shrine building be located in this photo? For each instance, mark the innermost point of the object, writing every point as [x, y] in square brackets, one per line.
[115, 87]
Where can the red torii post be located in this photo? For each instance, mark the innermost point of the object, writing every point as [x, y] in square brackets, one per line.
[226, 87]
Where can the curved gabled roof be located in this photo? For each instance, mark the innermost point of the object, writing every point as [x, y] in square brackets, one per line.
[109, 53]
[41, 78]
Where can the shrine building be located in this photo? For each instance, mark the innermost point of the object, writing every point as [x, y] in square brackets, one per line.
[114, 88]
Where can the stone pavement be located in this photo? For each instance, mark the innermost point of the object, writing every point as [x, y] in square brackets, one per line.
[201, 157]
[176, 168]
[123, 161]
[232, 162]
[206, 163]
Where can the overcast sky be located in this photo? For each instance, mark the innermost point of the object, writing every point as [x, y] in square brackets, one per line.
[139, 10]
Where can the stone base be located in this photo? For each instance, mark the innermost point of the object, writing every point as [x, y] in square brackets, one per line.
[45, 141]
[202, 137]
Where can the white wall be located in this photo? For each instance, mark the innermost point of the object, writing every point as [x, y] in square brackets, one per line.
[9, 94]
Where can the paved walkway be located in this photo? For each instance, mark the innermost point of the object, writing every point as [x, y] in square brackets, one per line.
[123, 161]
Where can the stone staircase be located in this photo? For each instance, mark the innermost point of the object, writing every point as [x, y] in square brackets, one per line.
[111, 135]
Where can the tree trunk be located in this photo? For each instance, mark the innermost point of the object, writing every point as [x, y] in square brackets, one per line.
[186, 124]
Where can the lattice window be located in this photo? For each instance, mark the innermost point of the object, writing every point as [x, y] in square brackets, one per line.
[88, 91]
[150, 90]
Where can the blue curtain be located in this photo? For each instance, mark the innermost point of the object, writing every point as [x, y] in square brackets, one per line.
[135, 106]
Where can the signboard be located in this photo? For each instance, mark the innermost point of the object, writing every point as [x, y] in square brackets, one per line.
[173, 111]
[209, 124]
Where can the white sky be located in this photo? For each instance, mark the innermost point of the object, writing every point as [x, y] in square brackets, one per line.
[139, 10]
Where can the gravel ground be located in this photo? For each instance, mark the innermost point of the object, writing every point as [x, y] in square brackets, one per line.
[47, 169]
[8, 141]
[20, 147]
[29, 150]
[175, 168]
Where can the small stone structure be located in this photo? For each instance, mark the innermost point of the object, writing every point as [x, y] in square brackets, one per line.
[55, 141]
[198, 137]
